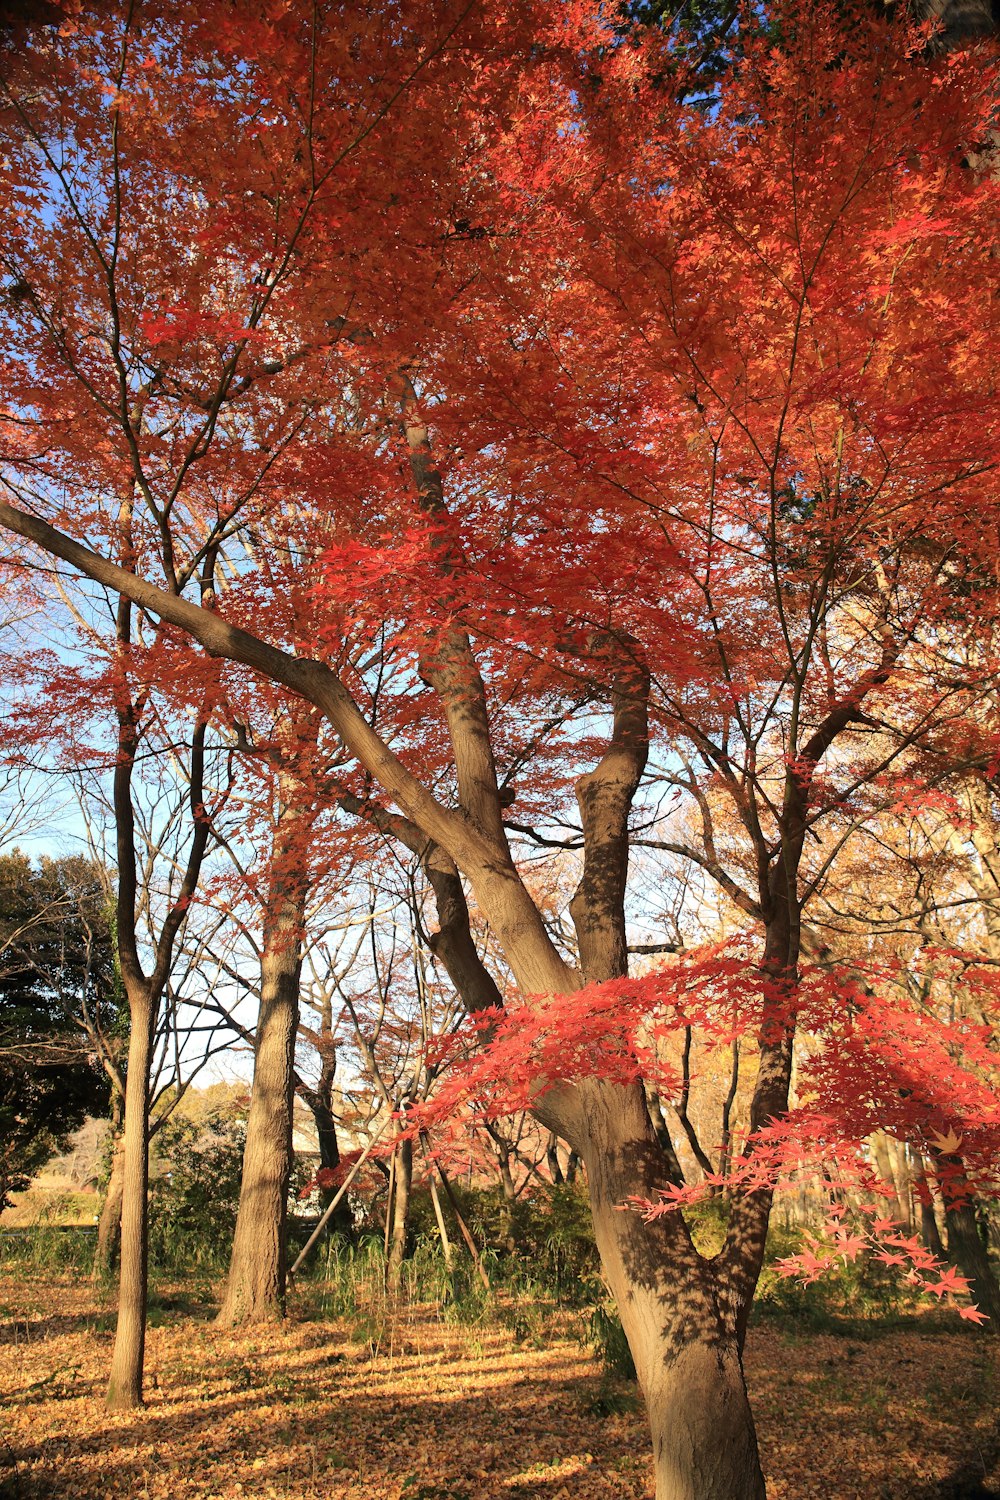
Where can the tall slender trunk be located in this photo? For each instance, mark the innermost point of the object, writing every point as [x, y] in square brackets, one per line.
[320, 1102]
[442, 1227]
[400, 1220]
[255, 1285]
[125, 1379]
[929, 1232]
[143, 990]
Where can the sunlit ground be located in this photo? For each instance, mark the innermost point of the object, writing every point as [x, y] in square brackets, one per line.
[412, 1408]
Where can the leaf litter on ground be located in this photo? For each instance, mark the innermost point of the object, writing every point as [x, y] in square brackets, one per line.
[410, 1407]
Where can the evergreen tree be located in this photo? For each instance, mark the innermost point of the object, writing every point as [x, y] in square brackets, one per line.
[57, 982]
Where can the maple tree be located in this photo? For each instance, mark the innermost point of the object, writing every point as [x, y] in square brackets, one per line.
[532, 414]
[927, 892]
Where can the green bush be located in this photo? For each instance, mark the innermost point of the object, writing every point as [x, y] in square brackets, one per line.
[541, 1245]
[708, 1222]
[194, 1197]
[859, 1290]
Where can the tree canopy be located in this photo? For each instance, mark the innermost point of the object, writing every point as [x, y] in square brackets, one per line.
[591, 457]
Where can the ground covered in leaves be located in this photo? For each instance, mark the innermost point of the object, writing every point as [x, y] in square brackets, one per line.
[412, 1407]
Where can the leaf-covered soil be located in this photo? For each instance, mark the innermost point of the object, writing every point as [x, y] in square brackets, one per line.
[410, 1407]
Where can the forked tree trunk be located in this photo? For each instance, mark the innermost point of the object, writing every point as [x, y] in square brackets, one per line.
[684, 1321]
[255, 1285]
[125, 1379]
[144, 993]
[506, 1179]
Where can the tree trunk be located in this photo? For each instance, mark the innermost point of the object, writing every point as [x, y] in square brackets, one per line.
[144, 993]
[110, 1222]
[125, 1379]
[464, 1230]
[326, 1135]
[686, 1346]
[442, 1228]
[884, 1162]
[683, 1318]
[929, 1232]
[255, 1286]
[508, 1200]
[320, 1102]
[967, 1250]
[962, 21]
[903, 1178]
[400, 1225]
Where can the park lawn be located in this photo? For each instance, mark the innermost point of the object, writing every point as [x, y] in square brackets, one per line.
[410, 1407]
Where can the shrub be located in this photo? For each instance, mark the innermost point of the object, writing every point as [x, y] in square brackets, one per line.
[195, 1196]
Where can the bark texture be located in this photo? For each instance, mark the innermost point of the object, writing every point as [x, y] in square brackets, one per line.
[685, 1341]
[255, 1285]
[967, 1249]
[125, 1378]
